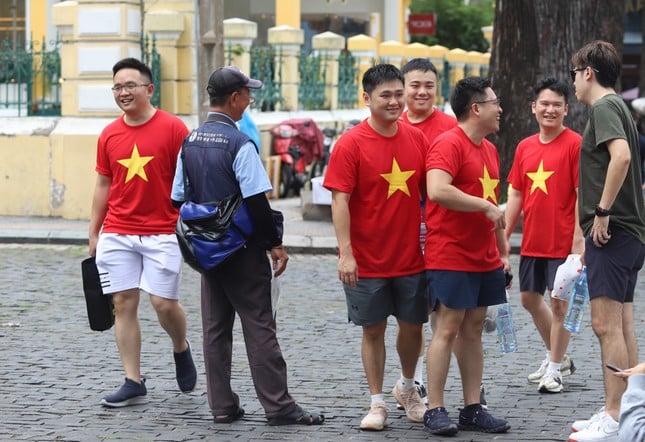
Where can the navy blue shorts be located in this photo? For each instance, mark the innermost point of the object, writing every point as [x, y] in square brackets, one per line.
[538, 274]
[374, 299]
[612, 269]
[463, 290]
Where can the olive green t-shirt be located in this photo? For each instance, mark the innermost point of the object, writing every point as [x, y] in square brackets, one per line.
[610, 119]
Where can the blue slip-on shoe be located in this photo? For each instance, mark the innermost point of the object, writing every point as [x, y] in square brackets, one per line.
[185, 370]
[475, 418]
[130, 393]
[437, 421]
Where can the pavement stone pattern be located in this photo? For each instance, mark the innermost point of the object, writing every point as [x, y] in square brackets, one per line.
[55, 369]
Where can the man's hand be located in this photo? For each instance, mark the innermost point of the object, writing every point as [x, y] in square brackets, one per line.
[496, 215]
[600, 233]
[93, 240]
[638, 369]
[348, 270]
[279, 259]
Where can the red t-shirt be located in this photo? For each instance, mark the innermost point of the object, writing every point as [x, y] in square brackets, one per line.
[463, 241]
[385, 177]
[433, 126]
[547, 177]
[141, 161]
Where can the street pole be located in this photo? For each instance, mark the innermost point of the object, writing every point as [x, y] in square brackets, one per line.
[211, 48]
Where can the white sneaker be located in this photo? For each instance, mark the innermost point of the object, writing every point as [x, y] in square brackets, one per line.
[604, 429]
[411, 401]
[584, 424]
[551, 382]
[376, 419]
[536, 376]
[566, 368]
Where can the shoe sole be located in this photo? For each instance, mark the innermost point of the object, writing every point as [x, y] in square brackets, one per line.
[500, 429]
[126, 403]
[450, 430]
[546, 390]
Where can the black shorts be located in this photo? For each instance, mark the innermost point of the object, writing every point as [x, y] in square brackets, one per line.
[612, 269]
[538, 274]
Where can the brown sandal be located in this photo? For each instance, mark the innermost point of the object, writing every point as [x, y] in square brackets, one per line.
[297, 417]
[229, 418]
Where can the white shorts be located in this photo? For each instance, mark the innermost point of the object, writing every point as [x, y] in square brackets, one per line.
[152, 263]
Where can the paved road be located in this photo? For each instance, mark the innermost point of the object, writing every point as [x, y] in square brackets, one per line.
[55, 370]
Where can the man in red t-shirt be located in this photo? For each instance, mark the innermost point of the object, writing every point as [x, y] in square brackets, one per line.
[376, 176]
[544, 185]
[465, 271]
[132, 226]
[420, 95]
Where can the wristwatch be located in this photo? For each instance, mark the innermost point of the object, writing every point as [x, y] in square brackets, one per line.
[602, 212]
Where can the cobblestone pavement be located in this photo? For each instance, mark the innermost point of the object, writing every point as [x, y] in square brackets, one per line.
[55, 369]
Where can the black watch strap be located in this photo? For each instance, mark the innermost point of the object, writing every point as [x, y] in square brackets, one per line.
[602, 212]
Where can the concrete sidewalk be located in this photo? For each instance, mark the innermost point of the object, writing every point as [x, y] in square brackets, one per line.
[300, 235]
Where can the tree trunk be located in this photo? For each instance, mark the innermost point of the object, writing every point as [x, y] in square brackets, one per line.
[534, 39]
[211, 48]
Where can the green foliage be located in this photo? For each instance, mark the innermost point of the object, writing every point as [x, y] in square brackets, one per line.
[458, 25]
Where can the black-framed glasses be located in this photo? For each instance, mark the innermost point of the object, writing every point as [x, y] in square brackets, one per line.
[495, 101]
[129, 87]
[573, 71]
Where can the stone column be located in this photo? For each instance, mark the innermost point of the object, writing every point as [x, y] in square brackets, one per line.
[166, 27]
[474, 63]
[437, 56]
[365, 50]
[95, 35]
[415, 50]
[238, 39]
[287, 42]
[457, 59]
[391, 52]
[328, 46]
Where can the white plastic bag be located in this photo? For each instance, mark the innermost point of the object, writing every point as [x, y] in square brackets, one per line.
[566, 276]
[275, 294]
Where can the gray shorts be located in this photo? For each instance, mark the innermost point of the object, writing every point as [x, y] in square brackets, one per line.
[374, 299]
[538, 274]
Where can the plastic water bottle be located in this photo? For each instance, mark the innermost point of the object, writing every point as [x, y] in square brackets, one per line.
[578, 303]
[506, 328]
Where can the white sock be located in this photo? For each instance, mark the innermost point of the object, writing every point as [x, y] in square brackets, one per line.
[554, 366]
[407, 383]
[418, 372]
[548, 355]
[378, 399]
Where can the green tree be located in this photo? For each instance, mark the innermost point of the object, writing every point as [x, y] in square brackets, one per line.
[458, 24]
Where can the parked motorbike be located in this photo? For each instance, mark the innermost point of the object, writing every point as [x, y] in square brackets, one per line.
[298, 142]
[329, 136]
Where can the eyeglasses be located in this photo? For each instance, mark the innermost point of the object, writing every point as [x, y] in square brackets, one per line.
[573, 71]
[129, 87]
[247, 95]
[495, 101]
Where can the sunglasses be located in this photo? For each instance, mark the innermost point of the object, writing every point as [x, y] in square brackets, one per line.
[573, 71]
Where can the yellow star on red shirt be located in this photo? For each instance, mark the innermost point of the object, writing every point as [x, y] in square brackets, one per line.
[488, 186]
[539, 178]
[397, 179]
[135, 165]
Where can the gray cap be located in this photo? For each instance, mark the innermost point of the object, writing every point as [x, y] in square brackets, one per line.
[224, 81]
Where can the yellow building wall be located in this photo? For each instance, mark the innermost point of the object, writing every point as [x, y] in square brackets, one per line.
[25, 175]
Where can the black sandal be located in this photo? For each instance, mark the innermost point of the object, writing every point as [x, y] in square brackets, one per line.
[297, 417]
[229, 418]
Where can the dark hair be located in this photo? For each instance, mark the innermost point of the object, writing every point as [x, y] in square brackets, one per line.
[465, 92]
[379, 74]
[132, 63]
[554, 85]
[419, 64]
[603, 57]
